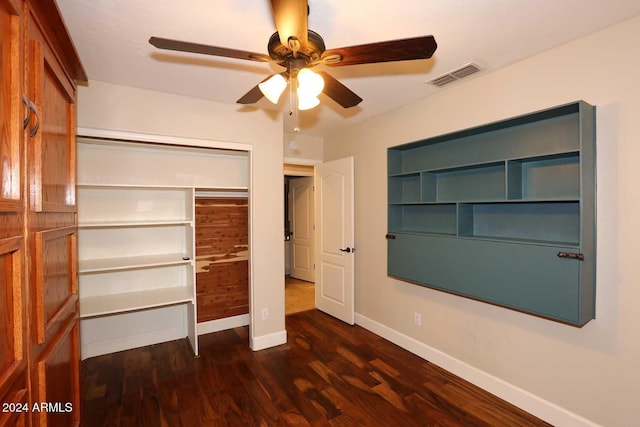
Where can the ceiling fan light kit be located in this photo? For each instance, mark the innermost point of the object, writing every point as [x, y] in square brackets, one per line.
[296, 48]
[310, 82]
[273, 87]
[310, 85]
[308, 102]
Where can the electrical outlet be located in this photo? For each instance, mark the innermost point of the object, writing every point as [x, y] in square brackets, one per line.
[417, 318]
[264, 313]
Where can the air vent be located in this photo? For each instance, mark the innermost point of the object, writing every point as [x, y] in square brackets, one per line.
[457, 74]
[443, 80]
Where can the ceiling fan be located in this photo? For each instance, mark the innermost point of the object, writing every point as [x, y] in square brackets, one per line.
[298, 49]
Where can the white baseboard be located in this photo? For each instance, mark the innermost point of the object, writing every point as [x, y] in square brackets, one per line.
[267, 341]
[529, 402]
[99, 348]
[222, 324]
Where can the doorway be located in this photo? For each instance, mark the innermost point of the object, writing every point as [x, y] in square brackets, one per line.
[332, 197]
[299, 239]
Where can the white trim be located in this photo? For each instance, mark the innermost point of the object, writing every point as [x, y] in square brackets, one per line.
[267, 341]
[523, 399]
[252, 305]
[222, 324]
[125, 343]
[161, 139]
[222, 193]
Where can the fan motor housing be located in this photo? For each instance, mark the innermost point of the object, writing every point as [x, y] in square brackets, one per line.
[310, 53]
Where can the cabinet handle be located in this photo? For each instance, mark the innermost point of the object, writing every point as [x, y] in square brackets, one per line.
[26, 120]
[571, 255]
[34, 130]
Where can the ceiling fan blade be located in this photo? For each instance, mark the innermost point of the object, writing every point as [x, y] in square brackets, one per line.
[387, 51]
[290, 17]
[181, 46]
[339, 92]
[251, 97]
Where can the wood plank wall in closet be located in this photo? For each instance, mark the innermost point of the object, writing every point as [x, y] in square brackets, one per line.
[222, 257]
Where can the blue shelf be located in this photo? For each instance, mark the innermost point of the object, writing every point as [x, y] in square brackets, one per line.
[483, 212]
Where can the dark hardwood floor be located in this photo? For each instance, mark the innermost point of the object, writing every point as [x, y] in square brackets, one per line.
[328, 374]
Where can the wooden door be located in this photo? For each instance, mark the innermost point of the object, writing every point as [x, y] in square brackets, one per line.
[334, 207]
[52, 270]
[14, 394]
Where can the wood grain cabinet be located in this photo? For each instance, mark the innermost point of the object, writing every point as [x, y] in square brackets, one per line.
[39, 349]
[13, 327]
[503, 213]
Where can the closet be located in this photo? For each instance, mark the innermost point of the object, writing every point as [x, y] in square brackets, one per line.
[39, 346]
[137, 243]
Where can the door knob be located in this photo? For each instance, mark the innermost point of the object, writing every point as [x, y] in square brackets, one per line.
[347, 250]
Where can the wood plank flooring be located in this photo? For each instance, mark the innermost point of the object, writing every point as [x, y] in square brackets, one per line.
[299, 295]
[328, 374]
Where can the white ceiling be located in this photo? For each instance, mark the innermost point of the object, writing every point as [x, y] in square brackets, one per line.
[112, 39]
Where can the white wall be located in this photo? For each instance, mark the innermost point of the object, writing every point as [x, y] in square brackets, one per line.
[112, 107]
[306, 149]
[570, 376]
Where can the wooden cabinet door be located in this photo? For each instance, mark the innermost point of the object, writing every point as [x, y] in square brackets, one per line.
[13, 356]
[51, 144]
[14, 394]
[52, 222]
[11, 112]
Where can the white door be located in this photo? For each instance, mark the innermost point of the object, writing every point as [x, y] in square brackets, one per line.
[335, 239]
[302, 239]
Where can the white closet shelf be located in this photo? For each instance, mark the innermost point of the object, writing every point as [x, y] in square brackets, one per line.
[132, 301]
[130, 263]
[107, 186]
[133, 223]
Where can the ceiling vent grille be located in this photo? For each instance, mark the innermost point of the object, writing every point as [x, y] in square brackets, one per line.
[455, 75]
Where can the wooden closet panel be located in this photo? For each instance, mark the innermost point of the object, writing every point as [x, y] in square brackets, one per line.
[52, 151]
[13, 326]
[222, 267]
[11, 305]
[56, 279]
[13, 317]
[8, 356]
[57, 373]
[222, 228]
[11, 113]
[19, 398]
[57, 144]
[223, 290]
[39, 354]
[51, 218]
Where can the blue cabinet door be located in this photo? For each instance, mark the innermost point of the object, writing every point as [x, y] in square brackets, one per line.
[521, 276]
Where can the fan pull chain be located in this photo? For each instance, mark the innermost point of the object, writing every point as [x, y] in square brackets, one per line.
[293, 104]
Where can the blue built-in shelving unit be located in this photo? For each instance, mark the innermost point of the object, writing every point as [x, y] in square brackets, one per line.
[503, 213]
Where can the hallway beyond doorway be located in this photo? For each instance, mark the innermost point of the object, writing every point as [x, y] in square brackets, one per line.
[299, 295]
